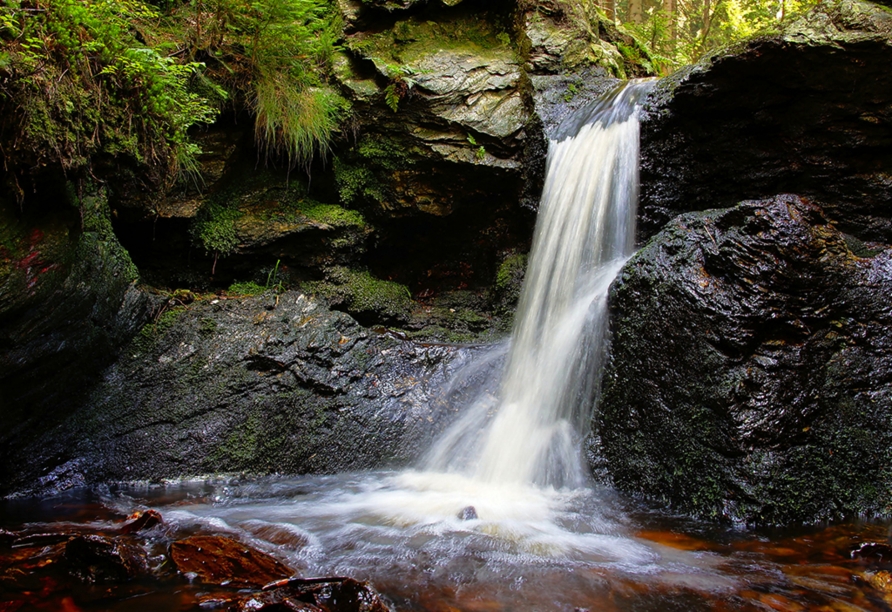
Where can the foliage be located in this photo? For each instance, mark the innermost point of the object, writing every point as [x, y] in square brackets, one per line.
[80, 78]
[677, 32]
[78, 81]
[274, 56]
[400, 86]
[214, 229]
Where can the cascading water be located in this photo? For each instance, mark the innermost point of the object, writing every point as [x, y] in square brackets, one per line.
[539, 541]
[584, 233]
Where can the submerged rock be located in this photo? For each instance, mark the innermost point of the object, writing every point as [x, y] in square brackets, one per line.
[751, 371]
[225, 562]
[96, 558]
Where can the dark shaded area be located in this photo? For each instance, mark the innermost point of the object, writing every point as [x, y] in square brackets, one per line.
[67, 305]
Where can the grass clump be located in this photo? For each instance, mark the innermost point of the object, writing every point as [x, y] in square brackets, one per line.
[128, 78]
[275, 57]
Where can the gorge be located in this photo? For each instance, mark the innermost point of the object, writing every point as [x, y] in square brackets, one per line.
[356, 326]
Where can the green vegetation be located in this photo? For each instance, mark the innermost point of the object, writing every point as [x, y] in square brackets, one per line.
[360, 292]
[214, 229]
[157, 328]
[334, 215]
[674, 33]
[129, 78]
[356, 172]
[416, 37]
[77, 81]
[272, 55]
[246, 288]
[510, 271]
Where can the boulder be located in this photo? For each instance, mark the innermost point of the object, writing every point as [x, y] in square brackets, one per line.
[275, 383]
[750, 375]
[807, 111]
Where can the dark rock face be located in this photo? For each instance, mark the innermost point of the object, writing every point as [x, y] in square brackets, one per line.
[807, 112]
[258, 385]
[751, 371]
[67, 304]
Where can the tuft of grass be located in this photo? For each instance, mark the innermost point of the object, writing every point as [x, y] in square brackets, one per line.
[294, 122]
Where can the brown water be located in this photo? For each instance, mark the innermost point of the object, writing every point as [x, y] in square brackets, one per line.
[542, 550]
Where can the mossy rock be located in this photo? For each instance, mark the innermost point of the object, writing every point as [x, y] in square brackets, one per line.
[369, 299]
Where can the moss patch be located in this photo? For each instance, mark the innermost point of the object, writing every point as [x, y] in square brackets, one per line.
[363, 295]
[417, 37]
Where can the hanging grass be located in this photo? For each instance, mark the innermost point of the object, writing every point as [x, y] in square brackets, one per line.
[295, 122]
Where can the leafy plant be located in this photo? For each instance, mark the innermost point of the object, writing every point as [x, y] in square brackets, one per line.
[401, 84]
[214, 230]
[80, 80]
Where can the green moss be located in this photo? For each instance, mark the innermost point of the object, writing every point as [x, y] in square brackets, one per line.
[357, 184]
[510, 270]
[207, 327]
[247, 288]
[414, 38]
[214, 228]
[362, 293]
[157, 328]
[99, 234]
[334, 215]
[386, 153]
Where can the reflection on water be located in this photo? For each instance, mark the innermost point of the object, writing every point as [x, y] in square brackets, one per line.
[528, 548]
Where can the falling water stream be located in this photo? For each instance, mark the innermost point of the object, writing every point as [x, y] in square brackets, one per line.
[541, 535]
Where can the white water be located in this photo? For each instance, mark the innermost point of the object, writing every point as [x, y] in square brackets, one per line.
[531, 432]
[543, 539]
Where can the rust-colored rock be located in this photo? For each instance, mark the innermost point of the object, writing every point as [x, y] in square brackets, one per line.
[141, 521]
[225, 562]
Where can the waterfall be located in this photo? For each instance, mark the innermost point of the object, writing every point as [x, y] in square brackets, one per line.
[530, 431]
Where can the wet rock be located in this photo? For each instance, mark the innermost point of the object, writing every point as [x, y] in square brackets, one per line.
[876, 552]
[468, 513]
[806, 111]
[95, 558]
[881, 581]
[328, 594]
[285, 535]
[750, 374]
[7, 538]
[225, 385]
[225, 562]
[68, 302]
[142, 521]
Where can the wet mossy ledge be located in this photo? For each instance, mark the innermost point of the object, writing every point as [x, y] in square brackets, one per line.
[270, 383]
